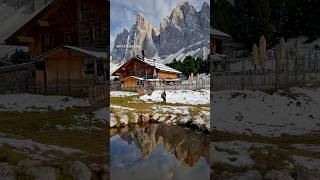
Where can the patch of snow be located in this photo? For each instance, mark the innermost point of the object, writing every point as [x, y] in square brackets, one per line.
[235, 153]
[257, 112]
[172, 109]
[307, 147]
[121, 107]
[179, 96]
[35, 102]
[31, 145]
[307, 162]
[122, 94]
[192, 50]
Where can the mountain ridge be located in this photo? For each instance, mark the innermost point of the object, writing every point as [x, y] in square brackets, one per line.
[183, 28]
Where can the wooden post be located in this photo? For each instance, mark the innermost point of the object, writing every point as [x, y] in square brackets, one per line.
[296, 68]
[277, 73]
[243, 75]
[287, 69]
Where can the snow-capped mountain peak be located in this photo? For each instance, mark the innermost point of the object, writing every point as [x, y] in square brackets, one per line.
[185, 31]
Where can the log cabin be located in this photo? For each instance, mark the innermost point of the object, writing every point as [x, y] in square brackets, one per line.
[218, 39]
[68, 42]
[139, 73]
[219, 49]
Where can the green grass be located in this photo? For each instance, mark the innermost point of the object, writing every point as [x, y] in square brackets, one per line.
[134, 103]
[41, 127]
[229, 151]
[220, 168]
[267, 158]
[7, 154]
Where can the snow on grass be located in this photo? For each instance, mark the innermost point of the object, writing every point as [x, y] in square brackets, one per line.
[122, 94]
[31, 145]
[172, 109]
[235, 153]
[307, 162]
[121, 107]
[34, 102]
[269, 114]
[180, 96]
[307, 147]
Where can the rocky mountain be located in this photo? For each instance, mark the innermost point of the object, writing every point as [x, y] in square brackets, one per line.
[185, 32]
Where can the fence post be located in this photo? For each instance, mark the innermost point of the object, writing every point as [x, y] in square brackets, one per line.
[296, 68]
[287, 69]
[243, 75]
[277, 73]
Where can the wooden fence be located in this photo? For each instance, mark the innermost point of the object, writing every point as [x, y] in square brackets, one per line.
[190, 86]
[194, 85]
[96, 93]
[99, 94]
[297, 70]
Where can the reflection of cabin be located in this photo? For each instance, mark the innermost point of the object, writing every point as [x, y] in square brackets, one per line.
[68, 43]
[141, 72]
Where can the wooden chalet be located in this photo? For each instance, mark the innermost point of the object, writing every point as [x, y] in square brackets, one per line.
[219, 50]
[68, 41]
[218, 39]
[145, 73]
[224, 51]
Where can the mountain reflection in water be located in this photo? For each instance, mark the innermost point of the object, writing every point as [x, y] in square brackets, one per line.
[159, 152]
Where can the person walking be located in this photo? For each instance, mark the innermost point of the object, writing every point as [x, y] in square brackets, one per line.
[164, 97]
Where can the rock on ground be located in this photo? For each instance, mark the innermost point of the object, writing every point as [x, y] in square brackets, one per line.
[80, 171]
[7, 172]
[277, 175]
[41, 173]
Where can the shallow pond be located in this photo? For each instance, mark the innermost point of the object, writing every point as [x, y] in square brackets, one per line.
[158, 152]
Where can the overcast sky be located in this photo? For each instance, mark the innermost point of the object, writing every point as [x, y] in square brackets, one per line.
[124, 12]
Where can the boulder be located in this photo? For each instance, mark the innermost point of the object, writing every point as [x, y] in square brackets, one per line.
[41, 173]
[307, 174]
[7, 172]
[80, 171]
[277, 175]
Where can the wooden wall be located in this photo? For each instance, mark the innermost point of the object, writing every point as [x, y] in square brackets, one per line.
[66, 16]
[17, 79]
[95, 15]
[141, 69]
[130, 83]
[65, 69]
[166, 75]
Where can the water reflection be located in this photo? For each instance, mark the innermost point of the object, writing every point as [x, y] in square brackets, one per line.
[159, 152]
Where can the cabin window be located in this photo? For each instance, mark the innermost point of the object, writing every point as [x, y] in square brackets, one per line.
[88, 66]
[87, 13]
[67, 37]
[139, 82]
[83, 9]
[219, 47]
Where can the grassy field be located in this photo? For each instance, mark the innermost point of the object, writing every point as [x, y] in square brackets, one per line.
[267, 158]
[72, 128]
